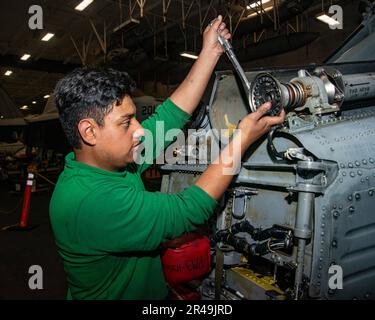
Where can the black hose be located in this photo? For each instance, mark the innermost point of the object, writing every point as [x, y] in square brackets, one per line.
[275, 155]
[241, 245]
[243, 226]
[274, 232]
[278, 156]
[258, 234]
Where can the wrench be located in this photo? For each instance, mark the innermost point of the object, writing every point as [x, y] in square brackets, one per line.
[228, 49]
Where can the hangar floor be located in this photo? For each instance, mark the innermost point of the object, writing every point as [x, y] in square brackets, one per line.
[21, 249]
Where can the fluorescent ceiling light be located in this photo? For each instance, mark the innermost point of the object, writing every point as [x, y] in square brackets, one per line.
[24, 107]
[8, 72]
[48, 36]
[83, 5]
[25, 57]
[34, 102]
[190, 55]
[46, 96]
[327, 19]
[257, 4]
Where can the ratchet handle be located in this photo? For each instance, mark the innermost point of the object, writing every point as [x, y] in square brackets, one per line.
[228, 49]
[224, 43]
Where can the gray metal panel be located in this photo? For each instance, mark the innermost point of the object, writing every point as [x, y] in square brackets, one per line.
[343, 220]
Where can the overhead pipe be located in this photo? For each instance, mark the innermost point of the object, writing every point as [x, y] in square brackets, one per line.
[287, 10]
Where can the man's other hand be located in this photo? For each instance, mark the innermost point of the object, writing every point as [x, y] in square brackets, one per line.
[256, 124]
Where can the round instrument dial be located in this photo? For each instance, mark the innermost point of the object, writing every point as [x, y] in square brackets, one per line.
[266, 88]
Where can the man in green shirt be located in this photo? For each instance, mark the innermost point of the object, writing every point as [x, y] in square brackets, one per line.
[107, 227]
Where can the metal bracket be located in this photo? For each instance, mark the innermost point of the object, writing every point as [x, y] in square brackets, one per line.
[297, 124]
[314, 176]
[296, 153]
[239, 202]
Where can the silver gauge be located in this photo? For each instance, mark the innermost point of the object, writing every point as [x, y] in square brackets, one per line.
[266, 88]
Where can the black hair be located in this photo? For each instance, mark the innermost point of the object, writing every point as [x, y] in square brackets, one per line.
[89, 93]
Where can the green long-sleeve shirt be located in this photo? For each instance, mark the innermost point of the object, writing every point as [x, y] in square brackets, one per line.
[108, 228]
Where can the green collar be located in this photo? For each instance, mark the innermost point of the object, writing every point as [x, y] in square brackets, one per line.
[71, 163]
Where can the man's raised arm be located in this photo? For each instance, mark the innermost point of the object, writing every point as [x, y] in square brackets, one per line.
[189, 93]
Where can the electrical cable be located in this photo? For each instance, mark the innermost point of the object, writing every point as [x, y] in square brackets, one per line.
[44, 178]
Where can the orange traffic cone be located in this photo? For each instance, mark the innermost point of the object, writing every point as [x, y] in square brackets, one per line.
[26, 201]
[22, 225]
